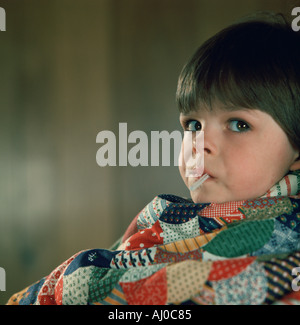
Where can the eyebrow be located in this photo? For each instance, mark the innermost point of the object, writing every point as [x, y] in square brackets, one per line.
[225, 108]
[251, 111]
[232, 108]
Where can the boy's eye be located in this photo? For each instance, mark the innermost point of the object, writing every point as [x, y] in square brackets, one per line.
[238, 126]
[193, 125]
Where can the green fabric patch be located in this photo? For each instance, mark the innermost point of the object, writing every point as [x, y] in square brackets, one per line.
[241, 239]
[102, 281]
[264, 209]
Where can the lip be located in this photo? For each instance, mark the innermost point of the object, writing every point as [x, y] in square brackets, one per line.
[205, 171]
[198, 182]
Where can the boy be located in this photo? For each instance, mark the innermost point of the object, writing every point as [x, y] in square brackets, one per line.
[242, 89]
[237, 241]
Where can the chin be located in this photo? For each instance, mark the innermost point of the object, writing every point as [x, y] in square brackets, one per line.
[201, 198]
[198, 198]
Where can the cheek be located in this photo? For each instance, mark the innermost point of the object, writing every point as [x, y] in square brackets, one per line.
[181, 166]
[182, 172]
[253, 173]
[245, 170]
[239, 161]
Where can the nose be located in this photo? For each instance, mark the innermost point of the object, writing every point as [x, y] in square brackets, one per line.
[211, 137]
[207, 150]
[197, 143]
[192, 156]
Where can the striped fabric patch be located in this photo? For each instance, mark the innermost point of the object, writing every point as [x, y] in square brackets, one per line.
[279, 274]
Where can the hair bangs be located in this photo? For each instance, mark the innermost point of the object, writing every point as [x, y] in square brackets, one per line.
[252, 64]
[244, 67]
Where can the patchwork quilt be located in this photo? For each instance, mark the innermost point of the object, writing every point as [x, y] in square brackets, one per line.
[179, 252]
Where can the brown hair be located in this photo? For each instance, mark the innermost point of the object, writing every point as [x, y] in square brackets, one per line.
[251, 64]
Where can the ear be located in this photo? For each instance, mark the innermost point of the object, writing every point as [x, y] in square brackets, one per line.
[296, 164]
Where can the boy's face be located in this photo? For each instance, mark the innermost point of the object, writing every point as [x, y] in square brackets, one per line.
[245, 153]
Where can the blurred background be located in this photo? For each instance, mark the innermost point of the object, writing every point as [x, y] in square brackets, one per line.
[68, 70]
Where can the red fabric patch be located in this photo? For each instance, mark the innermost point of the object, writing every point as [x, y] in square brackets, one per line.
[146, 238]
[292, 298]
[228, 211]
[228, 268]
[59, 291]
[163, 256]
[46, 295]
[148, 291]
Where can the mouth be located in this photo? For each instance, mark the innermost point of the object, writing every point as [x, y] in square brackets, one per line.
[198, 183]
[205, 172]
